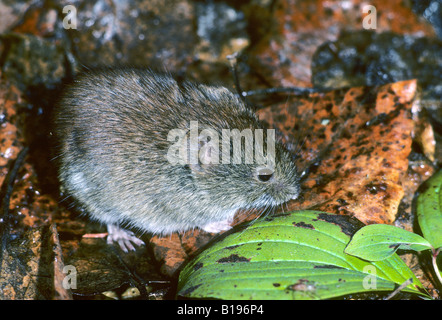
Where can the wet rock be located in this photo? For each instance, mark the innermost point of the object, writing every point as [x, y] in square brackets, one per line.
[222, 30]
[11, 12]
[369, 58]
[282, 55]
[431, 10]
[146, 33]
[40, 21]
[31, 61]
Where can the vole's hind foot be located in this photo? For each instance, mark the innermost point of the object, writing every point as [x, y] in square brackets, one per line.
[123, 237]
[218, 226]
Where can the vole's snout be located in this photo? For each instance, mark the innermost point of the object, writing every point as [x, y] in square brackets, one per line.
[291, 190]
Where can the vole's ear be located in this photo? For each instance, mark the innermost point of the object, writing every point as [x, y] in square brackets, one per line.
[220, 96]
[216, 92]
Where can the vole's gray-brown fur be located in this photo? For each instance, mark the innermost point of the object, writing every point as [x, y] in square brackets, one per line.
[112, 127]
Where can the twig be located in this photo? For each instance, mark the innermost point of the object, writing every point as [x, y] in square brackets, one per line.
[233, 60]
[398, 289]
[296, 91]
[292, 90]
[436, 269]
[5, 196]
[8, 183]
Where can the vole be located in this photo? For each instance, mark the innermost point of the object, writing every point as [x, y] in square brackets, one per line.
[114, 136]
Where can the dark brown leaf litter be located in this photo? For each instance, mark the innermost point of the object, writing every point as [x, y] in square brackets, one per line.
[103, 271]
[32, 268]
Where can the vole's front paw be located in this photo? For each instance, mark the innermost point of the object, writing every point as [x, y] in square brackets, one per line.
[215, 227]
[123, 237]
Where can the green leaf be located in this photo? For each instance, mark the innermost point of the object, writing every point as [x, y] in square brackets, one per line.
[379, 241]
[429, 210]
[299, 255]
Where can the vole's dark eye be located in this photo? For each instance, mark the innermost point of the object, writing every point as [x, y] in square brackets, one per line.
[265, 174]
